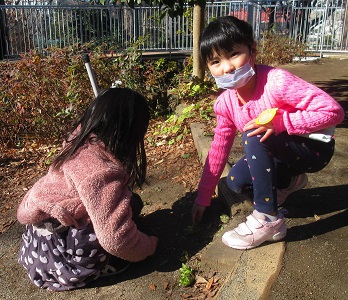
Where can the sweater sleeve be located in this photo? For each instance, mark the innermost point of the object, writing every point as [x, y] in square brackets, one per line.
[102, 187]
[303, 107]
[224, 134]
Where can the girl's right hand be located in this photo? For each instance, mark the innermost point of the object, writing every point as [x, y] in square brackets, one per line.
[268, 129]
[197, 213]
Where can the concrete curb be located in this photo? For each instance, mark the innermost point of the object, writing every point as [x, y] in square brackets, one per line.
[249, 274]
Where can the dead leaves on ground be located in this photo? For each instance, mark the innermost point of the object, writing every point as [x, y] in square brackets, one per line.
[4, 226]
[203, 289]
[180, 158]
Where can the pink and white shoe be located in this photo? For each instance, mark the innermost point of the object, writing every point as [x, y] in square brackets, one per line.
[297, 183]
[256, 231]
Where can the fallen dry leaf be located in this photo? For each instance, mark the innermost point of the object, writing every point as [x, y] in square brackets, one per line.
[316, 217]
[200, 280]
[209, 284]
[166, 285]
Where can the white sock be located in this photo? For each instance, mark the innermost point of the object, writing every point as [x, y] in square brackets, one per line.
[264, 216]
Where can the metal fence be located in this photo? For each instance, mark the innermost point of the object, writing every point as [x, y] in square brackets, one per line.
[323, 26]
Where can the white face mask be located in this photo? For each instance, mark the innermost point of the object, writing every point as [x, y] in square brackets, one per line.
[236, 78]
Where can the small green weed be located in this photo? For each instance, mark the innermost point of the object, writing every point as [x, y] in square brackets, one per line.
[51, 153]
[187, 276]
[224, 218]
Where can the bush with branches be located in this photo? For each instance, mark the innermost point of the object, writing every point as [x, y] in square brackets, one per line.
[40, 96]
[274, 49]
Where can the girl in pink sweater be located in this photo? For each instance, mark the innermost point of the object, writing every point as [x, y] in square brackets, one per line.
[287, 127]
[81, 214]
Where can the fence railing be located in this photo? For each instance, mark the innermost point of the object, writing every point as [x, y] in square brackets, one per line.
[322, 27]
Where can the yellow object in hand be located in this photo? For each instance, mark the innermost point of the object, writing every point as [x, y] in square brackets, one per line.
[266, 116]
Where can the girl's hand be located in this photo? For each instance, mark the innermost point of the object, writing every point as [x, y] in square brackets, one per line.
[267, 128]
[197, 213]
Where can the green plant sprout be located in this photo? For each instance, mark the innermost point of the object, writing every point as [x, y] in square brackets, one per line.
[187, 276]
[49, 155]
[224, 218]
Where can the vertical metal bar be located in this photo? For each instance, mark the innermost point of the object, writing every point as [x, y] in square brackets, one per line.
[323, 30]
[32, 29]
[18, 33]
[89, 28]
[42, 30]
[61, 25]
[51, 11]
[46, 27]
[29, 29]
[57, 27]
[67, 26]
[168, 30]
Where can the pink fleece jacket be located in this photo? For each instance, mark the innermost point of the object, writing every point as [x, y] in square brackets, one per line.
[90, 187]
[302, 108]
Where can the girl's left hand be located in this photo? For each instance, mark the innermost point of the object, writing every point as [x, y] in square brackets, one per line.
[267, 128]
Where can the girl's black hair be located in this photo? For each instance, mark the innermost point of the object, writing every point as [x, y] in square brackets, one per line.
[223, 35]
[118, 117]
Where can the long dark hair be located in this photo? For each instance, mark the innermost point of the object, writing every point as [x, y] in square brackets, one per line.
[223, 35]
[118, 117]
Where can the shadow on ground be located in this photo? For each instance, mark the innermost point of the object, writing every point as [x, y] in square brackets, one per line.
[313, 203]
[178, 239]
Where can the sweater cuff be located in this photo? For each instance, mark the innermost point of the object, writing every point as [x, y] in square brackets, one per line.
[203, 199]
[278, 124]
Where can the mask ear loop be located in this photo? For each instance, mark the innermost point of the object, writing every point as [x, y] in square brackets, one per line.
[251, 53]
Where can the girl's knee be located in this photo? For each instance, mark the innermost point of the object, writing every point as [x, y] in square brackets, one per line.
[232, 184]
[247, 140]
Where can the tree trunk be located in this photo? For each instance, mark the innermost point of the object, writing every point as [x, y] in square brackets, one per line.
[198, 25]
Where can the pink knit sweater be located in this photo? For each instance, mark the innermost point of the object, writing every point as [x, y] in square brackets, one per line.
[90, 187]
[302, 108]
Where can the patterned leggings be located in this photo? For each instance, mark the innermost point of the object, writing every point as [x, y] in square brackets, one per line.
[269, 165]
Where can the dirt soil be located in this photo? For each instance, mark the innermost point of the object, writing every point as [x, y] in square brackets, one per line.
[173, 176]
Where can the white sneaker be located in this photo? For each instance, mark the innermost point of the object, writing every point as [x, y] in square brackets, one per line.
[297, 183]
[255, 231]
